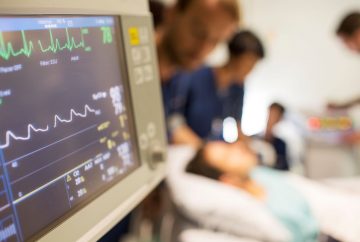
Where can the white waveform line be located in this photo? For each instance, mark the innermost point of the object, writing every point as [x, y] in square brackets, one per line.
[30, 127]
[73, 113]
[10, 134]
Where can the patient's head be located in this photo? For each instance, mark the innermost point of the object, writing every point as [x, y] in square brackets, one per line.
[222, 161]
[230, 164]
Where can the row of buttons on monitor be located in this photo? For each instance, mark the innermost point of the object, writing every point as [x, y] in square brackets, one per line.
[141, 54]
[143, 72]
[141, 57]
[147, 140]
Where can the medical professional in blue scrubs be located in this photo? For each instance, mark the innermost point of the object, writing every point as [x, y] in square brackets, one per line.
[211, 95]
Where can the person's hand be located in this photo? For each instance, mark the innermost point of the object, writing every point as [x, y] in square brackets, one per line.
[183, 134]
[351, 139]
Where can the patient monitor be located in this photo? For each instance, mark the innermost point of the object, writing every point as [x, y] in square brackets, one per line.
[82, 137]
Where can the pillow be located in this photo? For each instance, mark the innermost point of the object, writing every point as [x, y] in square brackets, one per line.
[216, 206]
[200, 235]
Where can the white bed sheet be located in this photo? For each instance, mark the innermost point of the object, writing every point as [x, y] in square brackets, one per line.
[336, 209]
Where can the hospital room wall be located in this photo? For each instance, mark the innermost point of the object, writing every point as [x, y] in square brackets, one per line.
[306, 65]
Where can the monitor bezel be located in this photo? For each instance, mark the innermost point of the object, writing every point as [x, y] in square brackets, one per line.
[124, 73]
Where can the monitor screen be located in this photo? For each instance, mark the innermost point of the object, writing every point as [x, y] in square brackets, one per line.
[66, 132]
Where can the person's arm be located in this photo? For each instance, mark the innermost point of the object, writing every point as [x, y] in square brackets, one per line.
[241, 136]
[181, 133]
[184, 135]
[345, 105]
[238, 113]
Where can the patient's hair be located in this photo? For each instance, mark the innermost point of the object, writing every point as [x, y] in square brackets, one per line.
[199, 166]
[244, 42]
[349, 25]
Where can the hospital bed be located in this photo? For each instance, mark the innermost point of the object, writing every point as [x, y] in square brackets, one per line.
[205, 210]
[193, 199]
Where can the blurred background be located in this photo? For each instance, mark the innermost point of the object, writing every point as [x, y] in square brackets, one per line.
[305, 68]
[306, 65]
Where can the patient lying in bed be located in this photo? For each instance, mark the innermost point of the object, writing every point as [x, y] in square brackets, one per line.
[304, 207]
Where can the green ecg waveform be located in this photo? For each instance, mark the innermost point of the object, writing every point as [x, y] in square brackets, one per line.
[7, 50]
[70, 44]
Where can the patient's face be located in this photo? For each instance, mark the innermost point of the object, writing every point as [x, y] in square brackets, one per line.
[234, 159]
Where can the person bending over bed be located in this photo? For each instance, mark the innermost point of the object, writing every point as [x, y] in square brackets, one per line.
[304, 207]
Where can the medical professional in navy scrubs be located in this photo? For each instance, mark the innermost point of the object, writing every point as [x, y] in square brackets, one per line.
[213, 94]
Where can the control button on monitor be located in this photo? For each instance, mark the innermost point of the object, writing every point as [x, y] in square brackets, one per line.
[148, 73]
[134, 36]
[144, 35]
[144, 141]
[151, 130]
[136, 55]
[146, 54]
[139, 75]
[156, 155]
